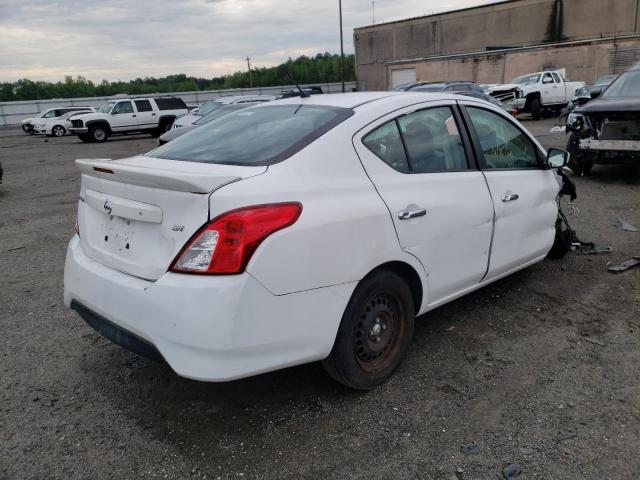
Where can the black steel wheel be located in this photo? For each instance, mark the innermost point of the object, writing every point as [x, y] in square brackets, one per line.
[374, 333]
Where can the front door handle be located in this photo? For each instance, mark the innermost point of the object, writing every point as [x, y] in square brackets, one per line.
[407, 214]
[510, 197]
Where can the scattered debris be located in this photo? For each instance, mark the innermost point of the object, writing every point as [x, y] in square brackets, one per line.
[558, 129]
[470, 449]
[621, 267]
[594, 341]
[591, 248]
[511, 471]
[15, 248]
[626, 226]
[566, 436]
[526, 451]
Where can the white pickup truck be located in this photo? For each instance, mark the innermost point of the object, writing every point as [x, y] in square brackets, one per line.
[535, 92]
[130, 115]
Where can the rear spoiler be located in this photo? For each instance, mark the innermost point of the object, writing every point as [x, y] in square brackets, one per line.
[166, 179]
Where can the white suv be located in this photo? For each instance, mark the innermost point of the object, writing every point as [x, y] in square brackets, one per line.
[136, 115]
[309, 229]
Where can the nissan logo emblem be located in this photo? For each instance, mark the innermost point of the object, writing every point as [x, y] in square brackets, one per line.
[107, 207]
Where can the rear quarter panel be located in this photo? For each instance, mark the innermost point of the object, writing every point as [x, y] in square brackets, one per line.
[344, 231]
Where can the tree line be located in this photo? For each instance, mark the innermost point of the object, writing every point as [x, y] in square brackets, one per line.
[323, 68]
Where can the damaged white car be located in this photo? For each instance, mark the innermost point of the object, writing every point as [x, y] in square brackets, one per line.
[309, 229]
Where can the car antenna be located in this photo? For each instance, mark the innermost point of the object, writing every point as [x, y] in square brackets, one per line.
[303, 94]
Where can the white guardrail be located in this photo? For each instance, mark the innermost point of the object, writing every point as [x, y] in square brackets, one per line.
[12, 113]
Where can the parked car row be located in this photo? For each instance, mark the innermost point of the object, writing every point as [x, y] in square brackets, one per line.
[154, 115]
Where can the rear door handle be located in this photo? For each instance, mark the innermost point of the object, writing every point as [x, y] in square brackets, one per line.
[133, 115]
[510, 197]
[407, 214]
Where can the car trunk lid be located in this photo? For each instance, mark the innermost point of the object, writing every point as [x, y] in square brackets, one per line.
[136, 214]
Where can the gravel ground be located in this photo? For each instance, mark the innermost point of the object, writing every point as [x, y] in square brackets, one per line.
[539, 369]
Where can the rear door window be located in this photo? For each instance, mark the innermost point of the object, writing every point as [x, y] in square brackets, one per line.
[143, 105]
[386, 143]
[255, 136]
[433, 141]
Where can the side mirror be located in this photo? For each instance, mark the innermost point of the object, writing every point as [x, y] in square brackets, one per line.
[547, 80]
[595, 93]
[557, 158]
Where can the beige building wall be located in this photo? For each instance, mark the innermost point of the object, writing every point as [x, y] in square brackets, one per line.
[514, 23]
[585, 62]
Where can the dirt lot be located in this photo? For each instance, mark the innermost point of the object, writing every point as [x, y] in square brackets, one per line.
[542, 368]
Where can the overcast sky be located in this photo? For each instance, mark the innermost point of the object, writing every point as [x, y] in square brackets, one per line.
[125, 39]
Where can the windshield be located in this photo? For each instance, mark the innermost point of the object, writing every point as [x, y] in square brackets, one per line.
[526, 79]
[255, 136]
[106, 108]
[74, 112]
[606, 80]
[435, 87]
[221, 112]
[208, 108]
[626, 85]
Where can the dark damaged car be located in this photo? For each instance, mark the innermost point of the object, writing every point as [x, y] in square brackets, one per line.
[607, 130]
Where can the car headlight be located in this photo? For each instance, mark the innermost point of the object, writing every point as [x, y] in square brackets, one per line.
[575, 119]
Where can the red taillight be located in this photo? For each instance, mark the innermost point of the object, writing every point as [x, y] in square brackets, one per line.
[225, 245]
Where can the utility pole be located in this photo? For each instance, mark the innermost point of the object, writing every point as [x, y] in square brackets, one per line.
[249, 68]
[341, 48]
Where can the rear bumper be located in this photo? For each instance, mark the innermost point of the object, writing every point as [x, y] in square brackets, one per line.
[212, 328]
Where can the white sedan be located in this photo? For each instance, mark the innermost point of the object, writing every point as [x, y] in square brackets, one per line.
[309, 229]
[57, 126]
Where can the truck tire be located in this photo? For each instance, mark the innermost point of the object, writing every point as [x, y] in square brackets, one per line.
[535, 108]
[98, 133]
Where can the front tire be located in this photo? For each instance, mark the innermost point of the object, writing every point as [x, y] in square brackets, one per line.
[98, 134]
[58, 131]
[562, 242]
[536, 108]
[375, 332]
[25, 128]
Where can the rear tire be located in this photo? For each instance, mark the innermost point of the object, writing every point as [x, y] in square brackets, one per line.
[163, 128]
[536, 108]
[98, 133]
[25, 128]
[375, 332]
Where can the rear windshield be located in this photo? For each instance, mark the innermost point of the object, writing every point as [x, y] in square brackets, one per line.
[255, 136]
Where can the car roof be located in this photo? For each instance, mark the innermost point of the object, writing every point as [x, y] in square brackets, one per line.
[358, 99]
